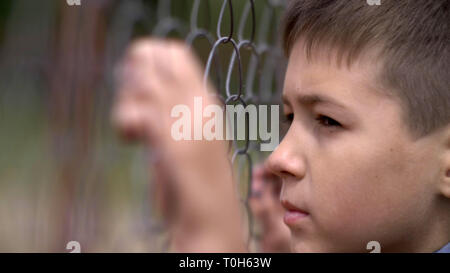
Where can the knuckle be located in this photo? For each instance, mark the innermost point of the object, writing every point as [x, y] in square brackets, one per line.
[140, 46]
[145, 47]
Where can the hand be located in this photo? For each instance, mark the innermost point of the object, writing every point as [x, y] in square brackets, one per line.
[194, 178]
[267, 210]
[154, 76]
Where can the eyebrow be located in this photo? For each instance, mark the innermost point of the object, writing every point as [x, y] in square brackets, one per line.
[313, 99]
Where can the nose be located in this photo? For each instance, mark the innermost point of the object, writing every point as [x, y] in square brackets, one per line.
[287, 161]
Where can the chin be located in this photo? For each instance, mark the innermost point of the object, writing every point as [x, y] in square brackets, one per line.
[298, 245]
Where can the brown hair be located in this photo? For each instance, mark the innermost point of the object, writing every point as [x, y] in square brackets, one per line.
[413, 40]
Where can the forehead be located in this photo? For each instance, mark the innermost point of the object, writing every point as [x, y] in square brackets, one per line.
[321, 75]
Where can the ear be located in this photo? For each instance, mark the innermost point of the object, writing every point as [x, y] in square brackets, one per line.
[444, 184]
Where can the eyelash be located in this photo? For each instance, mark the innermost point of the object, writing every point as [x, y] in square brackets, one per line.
[323, 120]
[327, 121]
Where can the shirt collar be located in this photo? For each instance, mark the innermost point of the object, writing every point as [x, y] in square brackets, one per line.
[445, 249]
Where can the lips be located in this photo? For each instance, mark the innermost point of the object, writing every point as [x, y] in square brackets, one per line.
[293, 215]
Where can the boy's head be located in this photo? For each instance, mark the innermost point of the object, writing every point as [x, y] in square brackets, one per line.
[367, 155]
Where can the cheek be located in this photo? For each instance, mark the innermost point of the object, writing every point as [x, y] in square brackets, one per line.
[359, 192]
[343, 195]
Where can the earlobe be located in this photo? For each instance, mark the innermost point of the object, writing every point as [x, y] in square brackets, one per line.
[445, 180]
[445, 185]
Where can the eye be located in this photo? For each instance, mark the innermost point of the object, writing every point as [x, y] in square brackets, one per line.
[327, 121]
[286, 122]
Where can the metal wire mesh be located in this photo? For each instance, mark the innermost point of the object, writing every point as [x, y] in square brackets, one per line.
[57, 63]
[267, 71]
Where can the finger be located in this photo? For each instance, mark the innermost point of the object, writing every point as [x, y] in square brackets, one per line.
[273, 181]
[258, 182]
[163, 65]
[155, 56]
[164, 194]
[187, 64]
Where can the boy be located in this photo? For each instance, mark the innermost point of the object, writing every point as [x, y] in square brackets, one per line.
[367, 154]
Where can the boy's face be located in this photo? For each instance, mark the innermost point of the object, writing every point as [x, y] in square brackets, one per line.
[350, 163]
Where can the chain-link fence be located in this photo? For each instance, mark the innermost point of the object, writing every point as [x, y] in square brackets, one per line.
[258, 80]
[60, 59]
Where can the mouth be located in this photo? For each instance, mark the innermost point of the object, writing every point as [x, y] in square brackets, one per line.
[293, 215]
